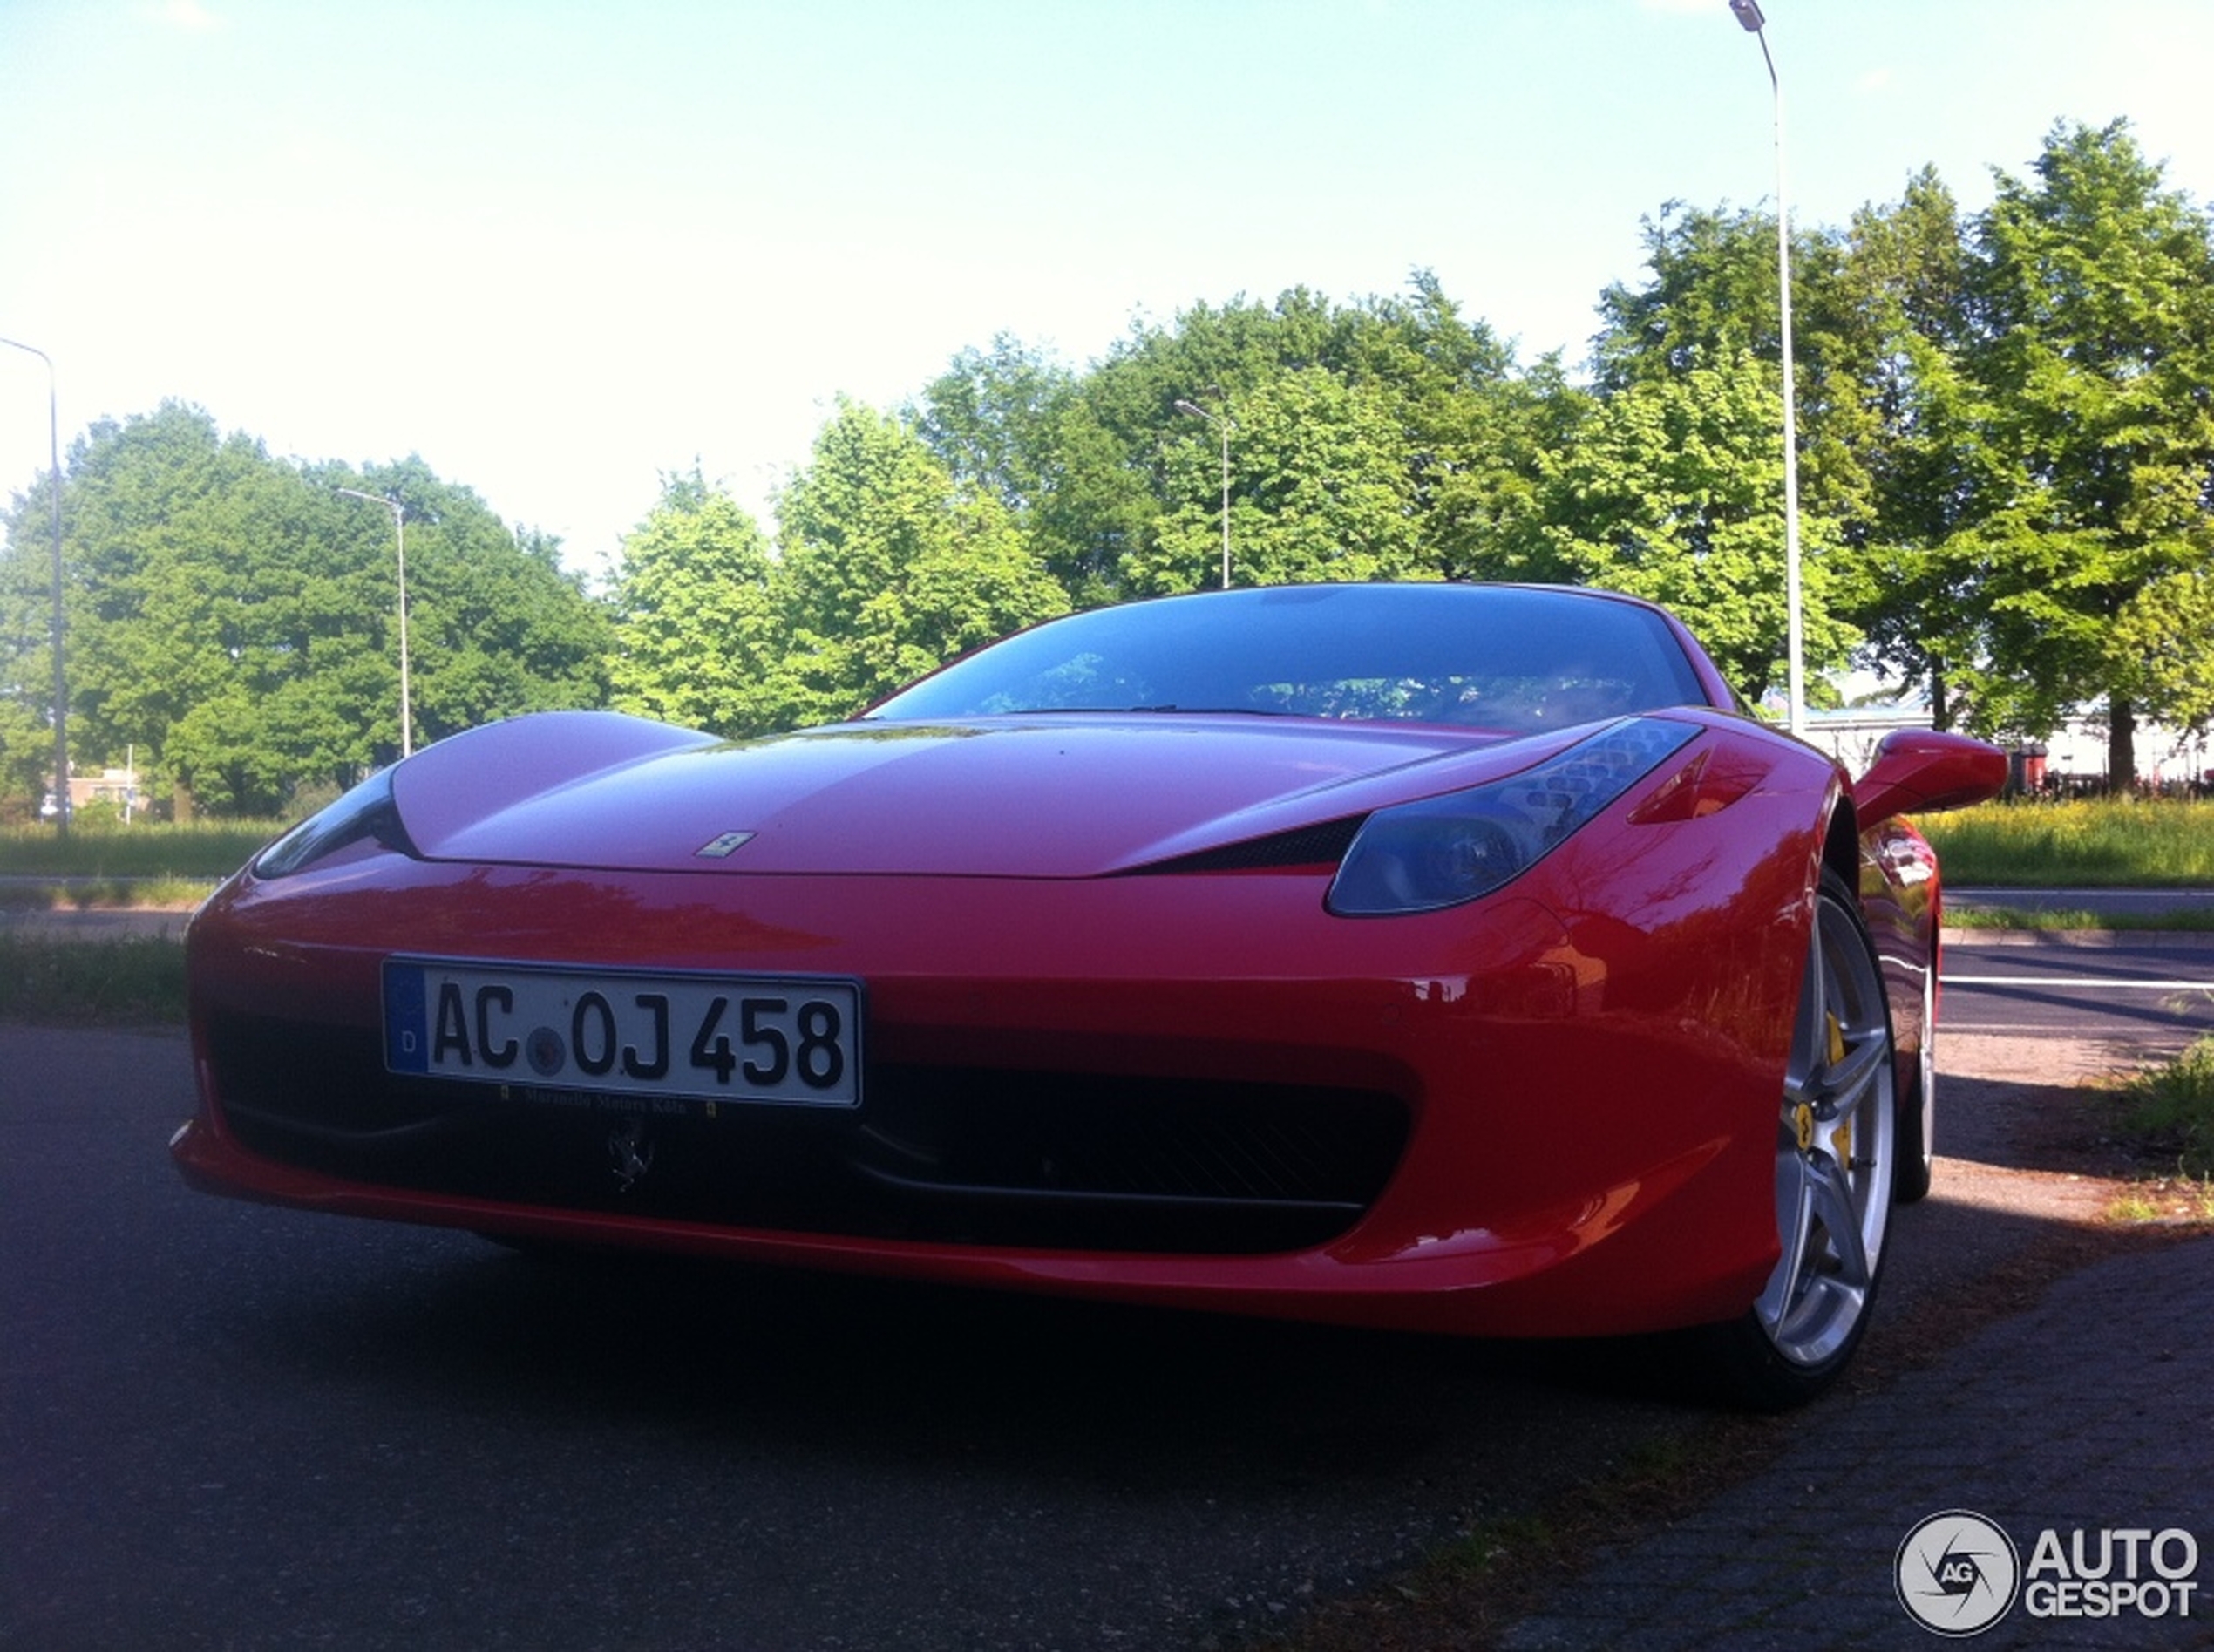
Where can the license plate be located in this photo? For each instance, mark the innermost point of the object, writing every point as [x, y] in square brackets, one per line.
[793, 1040]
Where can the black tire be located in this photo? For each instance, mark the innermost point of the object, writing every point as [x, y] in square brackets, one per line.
[1918, 1107]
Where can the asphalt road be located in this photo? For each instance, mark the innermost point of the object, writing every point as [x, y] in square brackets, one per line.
[2153, 991]
[224, 1424]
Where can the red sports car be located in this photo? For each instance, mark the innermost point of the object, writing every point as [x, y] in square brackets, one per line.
[1452, 958]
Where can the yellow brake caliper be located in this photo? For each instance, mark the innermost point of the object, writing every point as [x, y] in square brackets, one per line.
[1803, 1118]
[1843, 1135]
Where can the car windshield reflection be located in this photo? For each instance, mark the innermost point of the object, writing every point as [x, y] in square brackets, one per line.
[1512, 658]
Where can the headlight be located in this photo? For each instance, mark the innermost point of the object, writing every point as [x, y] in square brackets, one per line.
[367, 812]
[1424, 856]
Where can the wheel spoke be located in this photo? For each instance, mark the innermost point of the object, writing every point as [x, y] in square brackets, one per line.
[1830, 1188]
[1794, 1228]
[1846, 1087]
[1810, 1051]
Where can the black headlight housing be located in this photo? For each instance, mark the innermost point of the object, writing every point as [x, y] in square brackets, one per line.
[1441, 852]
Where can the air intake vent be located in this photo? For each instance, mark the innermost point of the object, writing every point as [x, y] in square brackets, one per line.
[1314, 846]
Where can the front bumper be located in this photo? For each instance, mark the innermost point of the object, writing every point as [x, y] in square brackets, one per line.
[1197, 1090]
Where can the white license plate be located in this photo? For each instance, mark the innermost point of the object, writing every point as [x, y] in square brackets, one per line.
[790, 1040]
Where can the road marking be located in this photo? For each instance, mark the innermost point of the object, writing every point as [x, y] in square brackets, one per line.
[2074, 981]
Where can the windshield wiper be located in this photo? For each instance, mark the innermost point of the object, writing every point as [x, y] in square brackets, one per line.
[1214, 711]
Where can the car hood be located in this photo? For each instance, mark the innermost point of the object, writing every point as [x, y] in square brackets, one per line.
[1069, 796]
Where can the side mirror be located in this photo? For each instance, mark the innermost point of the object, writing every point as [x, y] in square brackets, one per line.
[1921, 771]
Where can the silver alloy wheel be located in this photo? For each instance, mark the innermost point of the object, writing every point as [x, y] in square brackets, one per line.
[1836, 1146]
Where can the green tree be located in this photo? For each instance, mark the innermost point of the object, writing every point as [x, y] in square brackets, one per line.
[1472, 425]
[1673, 492]
[190, 590]
[2093, 291]
[1108, 483]
[235, 620]
[1712, 294]
[1911, 576]
[990, 418]
[692, 613]
[888, 569]
[497, 627]
[27, 659]
[1321, 488]
[2164, 647]
[1012, 425]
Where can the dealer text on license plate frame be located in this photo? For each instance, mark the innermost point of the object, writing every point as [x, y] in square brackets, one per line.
[791, 1041]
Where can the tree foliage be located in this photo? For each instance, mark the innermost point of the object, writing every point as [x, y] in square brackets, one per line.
[886, 566]
[1320, 487]
[2162, 647]
[234, 621]
[2093, 291]
[2007, 428]
[888, 569]
[1673, 492]
[691, 611]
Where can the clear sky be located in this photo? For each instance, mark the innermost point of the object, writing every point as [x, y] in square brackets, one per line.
[560, 248]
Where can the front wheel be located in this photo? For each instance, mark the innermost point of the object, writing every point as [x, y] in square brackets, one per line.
[1836, 1157]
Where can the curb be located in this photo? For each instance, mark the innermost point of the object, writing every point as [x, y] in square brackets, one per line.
[2148, 940]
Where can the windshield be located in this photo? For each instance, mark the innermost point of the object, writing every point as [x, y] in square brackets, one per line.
[1509, 657]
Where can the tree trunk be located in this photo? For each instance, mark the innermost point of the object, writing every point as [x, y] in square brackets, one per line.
[2122, 744]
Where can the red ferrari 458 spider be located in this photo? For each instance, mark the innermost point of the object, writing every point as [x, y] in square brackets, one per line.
[1448, 957]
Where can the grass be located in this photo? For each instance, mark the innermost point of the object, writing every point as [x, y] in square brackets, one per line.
[2165, 1115]
[58, 981]
[2168, 1111]
[2166, 1199]
[160, 894]
[1468, 1589]
[2096, 843]
[2200, 921]
[203, 853]
[145, 863]
[2086, 843]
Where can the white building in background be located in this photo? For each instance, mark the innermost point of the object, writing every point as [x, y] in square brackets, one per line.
[118, 786]
[2075, 752]
[2165, 757]
[1851, 735]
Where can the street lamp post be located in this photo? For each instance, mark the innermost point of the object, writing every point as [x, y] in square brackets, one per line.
[61, 687]
[1747, 13]
[399, 541]
[1226, 424]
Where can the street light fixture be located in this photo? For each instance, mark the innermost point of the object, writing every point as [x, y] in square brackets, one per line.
[61, 688]
[1747, 13]
[399, 540]
[1226, 424]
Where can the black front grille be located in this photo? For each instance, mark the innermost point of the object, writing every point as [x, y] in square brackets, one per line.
[973, 1155]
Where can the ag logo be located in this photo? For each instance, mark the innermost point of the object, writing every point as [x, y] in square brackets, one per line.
[1957, 1573]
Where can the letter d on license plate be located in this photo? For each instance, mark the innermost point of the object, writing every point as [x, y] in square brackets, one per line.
[788, 1040]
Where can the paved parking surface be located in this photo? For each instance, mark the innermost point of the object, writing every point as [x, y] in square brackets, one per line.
[2089, 1412]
